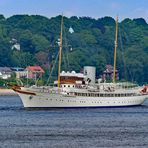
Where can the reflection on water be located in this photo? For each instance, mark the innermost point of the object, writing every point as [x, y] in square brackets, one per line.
[72, 128]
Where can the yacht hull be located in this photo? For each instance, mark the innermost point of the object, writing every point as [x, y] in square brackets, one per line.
[58, 100]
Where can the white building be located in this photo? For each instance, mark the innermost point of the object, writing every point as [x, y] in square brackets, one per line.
[5, 73]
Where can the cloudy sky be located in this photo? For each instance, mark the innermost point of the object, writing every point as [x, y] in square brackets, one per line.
[91, 8]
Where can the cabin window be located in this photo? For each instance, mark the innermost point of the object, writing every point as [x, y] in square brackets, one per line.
[111, 95]
[101, 95]
[116, 95]
[108, 95]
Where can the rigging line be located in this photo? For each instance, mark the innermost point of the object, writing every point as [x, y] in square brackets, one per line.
[64, 59]
[19, 82]
[52, 69]
[130, 74]
[63, 54]
[126, 68]
[122, 54]
[66, 45]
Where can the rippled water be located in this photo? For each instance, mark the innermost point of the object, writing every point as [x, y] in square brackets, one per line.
[72, 128]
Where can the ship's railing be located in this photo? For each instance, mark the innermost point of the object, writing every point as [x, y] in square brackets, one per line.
[90, 94]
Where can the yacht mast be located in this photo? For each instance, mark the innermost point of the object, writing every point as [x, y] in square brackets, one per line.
[115, 50]
[60, 52]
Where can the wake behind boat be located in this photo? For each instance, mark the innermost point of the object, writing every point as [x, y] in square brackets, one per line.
[75, 90]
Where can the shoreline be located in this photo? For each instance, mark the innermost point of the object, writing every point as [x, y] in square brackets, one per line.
[7, 92]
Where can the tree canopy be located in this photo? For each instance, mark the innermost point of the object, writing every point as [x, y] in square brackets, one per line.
[91, 43]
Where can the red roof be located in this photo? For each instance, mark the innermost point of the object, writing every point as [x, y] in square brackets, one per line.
[35, 69]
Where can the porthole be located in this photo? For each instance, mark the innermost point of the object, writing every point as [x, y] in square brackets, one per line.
[30, 97]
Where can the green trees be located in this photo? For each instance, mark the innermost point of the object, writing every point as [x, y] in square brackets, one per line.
[92, 43]
[22, 59]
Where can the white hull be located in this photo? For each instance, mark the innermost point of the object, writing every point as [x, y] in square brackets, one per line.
[58, 100]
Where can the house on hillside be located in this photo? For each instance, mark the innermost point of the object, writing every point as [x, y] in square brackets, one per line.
[108, 73]
[15, 45]
[34, 72]
[20, 72]
[5, 72]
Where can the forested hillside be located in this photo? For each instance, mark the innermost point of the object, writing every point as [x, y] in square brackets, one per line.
[91, 43]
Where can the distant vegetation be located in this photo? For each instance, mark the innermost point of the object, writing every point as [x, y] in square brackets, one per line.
[92, 43]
